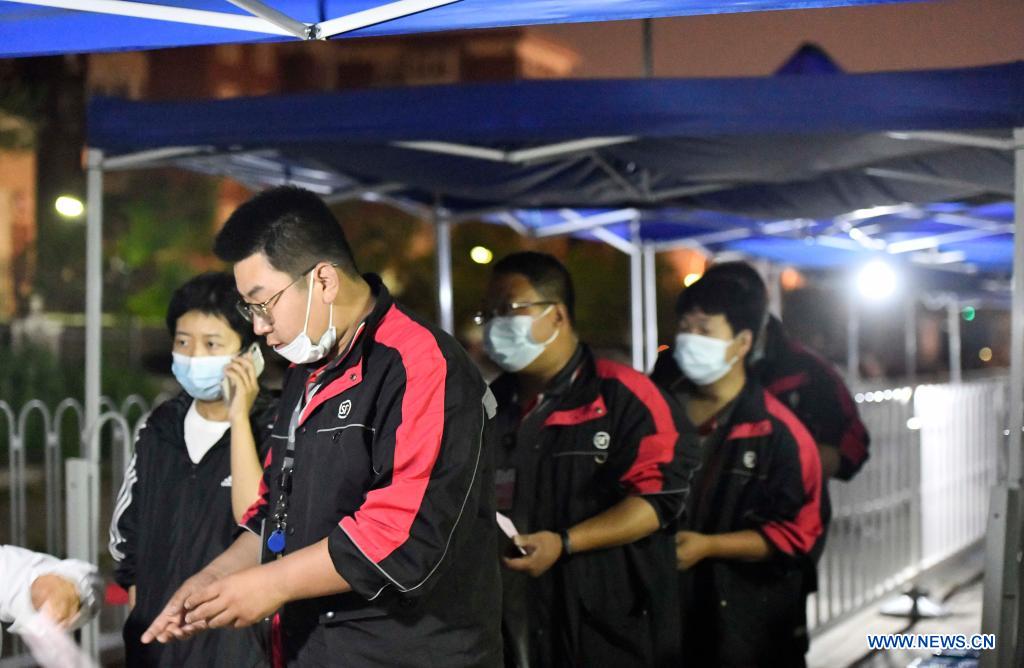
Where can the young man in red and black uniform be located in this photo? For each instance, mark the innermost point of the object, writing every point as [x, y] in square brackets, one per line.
[589, 471]
[810, 387]
[753, 516]
[376, 517]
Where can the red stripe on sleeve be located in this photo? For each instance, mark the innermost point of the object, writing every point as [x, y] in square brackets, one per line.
[382, 523]
[853, 445]
[645, 476]
[788, 383]
[799, 534]
[261, 500]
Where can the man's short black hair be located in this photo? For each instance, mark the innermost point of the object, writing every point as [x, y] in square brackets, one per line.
[548, 276]
[751, 277]
[719, 293]
[291, 226]
[212, 293]
[741, 271]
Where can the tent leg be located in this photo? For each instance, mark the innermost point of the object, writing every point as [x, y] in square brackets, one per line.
[636, 299]
[773, 277]
[443, 230]
[1001, 606]
[93, 359]
[650, 307]
[853, 342]
[955, 340]
[93, 287]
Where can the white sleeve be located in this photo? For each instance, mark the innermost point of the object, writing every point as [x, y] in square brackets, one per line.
[20, 568]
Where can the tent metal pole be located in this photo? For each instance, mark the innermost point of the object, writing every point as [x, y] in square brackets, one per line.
[279, 19]
[1001, 603]
[636, 298]
[853, 342]
[650, 306]
[1001, 613]
[93, 286]
[375, 15]
[955, 340]
[159, 12]
[80, 479]
[443, 232]
[1016, 457]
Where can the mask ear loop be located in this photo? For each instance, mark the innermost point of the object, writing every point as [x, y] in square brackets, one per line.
[309, 303]
[553, 335]
[330, 321]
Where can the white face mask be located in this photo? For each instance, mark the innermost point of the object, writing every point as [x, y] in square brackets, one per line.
[301, 349]
[509, 342]
[702, 358]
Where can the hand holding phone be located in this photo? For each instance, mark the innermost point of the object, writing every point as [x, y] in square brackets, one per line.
[236, 370]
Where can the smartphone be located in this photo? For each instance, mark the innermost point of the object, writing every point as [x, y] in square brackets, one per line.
[257, 361]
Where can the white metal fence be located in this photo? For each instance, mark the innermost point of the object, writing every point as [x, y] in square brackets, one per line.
[38, 443]
[922, 497]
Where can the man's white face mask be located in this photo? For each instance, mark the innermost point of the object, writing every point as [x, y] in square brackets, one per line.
[301, 349]
[702, 359]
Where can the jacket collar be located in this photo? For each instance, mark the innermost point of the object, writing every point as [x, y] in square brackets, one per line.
[365, 332]
[575, 385]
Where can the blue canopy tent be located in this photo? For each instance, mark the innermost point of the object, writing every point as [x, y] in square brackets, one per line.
[817, 168]
[721, 163]
[42, 27]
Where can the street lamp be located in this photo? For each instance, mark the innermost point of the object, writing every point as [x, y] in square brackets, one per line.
[69, 207]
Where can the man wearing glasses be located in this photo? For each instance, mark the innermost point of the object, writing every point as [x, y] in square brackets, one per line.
[589, 471]
[375, 514]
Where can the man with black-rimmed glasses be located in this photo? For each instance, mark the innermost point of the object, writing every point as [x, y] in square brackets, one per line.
[590, 472]
[375, 518]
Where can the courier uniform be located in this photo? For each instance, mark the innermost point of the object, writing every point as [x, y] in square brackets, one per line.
[384, 451]
[599, 433]
[760, 471]
[810, 387]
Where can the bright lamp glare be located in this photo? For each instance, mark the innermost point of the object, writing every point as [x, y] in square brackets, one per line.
[69, 207]
[690, 279]
[876, 281]
[481, 255]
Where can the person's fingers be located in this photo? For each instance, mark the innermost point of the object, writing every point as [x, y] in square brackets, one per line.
[168, 616]
[197, 598]
[526, 542]
[157, 628]
[224, 619]
[521, 564]
[250, 372]
[207, 611]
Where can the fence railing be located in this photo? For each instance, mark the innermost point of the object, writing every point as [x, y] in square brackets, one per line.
[40, 440]
[922, 497]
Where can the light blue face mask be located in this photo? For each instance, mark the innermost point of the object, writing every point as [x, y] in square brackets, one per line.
[201, 376]
[509, 343]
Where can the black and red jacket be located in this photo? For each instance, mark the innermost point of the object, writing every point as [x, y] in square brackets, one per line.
[600, 432]
[760, 471]
[811, 387]
[171, 518]
[392, 466]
